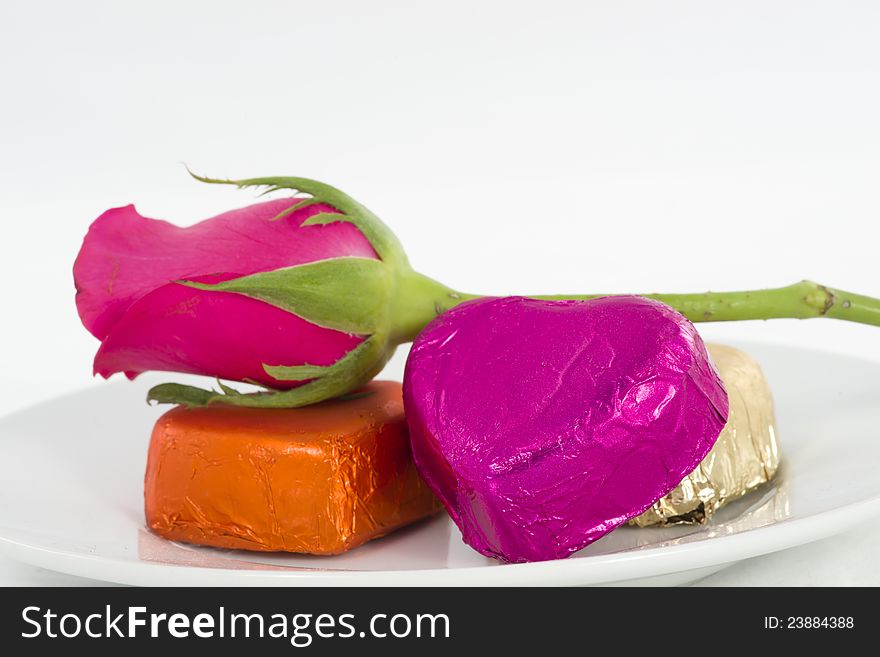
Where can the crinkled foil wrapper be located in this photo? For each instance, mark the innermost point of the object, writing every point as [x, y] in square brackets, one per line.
[745, 456]
[544, 425]
[319, 480]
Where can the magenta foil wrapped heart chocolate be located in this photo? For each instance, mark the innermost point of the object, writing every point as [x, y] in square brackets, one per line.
[543, 425]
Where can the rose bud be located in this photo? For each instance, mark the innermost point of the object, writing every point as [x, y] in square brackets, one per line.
[306, 296]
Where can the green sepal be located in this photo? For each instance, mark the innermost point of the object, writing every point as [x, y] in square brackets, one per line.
[348, 294]
[357, 359]
[296, 372]
[377, 233]
[226, 389]
[306, 202]
[177, 393]
[324, 218]
[352, 371]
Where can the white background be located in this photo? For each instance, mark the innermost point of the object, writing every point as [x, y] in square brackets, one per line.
[514, 147]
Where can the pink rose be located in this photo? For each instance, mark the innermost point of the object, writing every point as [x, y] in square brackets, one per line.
[279, 293]
[128, 296]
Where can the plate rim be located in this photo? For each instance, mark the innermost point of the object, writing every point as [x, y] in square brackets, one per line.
[614, 567]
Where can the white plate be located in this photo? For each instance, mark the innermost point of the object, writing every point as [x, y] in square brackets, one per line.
[71, 499]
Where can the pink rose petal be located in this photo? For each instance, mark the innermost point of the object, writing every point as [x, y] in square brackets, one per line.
[126, 256]
[182, 329]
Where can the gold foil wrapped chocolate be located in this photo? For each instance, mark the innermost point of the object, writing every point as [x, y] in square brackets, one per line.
[745, 456]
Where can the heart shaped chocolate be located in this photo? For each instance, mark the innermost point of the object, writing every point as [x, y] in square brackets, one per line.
[543, 425]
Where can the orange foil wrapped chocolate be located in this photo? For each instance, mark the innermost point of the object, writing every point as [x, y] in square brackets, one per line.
[321, 479]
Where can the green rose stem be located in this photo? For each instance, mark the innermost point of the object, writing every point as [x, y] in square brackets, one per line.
[425, 298]
[802, 300]
[389, 303]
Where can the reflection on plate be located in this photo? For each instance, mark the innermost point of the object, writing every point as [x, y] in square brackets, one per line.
[71, 499]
